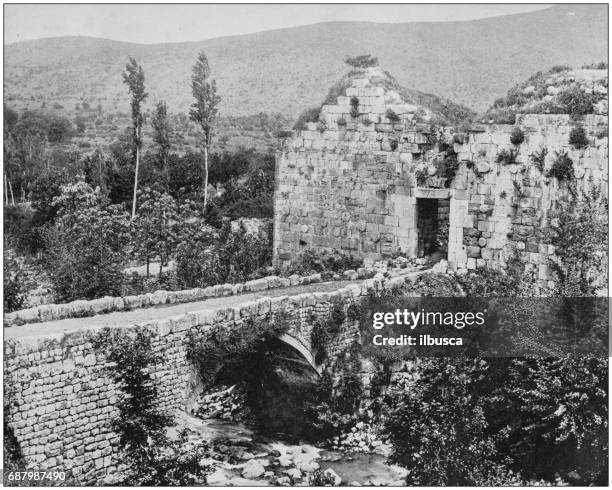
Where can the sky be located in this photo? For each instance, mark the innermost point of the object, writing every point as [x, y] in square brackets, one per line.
[163, 23]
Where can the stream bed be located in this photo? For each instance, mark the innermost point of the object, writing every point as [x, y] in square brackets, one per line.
[244, 458]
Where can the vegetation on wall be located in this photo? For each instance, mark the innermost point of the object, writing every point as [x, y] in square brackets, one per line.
[152, 459]
[578, 138]
[506, 157]
[517, 136]
[562, 167]
[578, 232]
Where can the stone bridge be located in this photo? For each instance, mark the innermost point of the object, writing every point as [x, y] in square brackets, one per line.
[61, 400]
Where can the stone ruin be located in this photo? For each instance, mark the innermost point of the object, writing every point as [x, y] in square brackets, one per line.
[370, 179]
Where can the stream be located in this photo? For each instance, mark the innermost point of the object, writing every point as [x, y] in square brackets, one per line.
[244, 458]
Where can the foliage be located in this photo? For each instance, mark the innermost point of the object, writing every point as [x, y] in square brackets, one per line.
[162, 131]
[362, 61]
[539, 158]
[392, 116]
[15, 290]
[308, 115]
[578, 233]
[204, 109]
[434, 284]
[517, 136]
[309, 262]
[472, 421]
[576, 102]
[506, 157]
[562, 167]
[86, 246]
[438, 429]
[578, 138]
[151, 458]
[354, 107]
[421, 177]
[234, 256]
[325, 329]
[156, 229]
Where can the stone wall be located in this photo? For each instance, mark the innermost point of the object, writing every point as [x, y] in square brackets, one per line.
[61, 400]
[498, 207]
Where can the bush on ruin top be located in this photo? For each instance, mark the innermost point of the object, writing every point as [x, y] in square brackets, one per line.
[309, 115]
[517, 136]
[362, 61]
[578, 138]
[576, 102]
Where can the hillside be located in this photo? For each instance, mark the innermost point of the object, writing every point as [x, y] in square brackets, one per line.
[287, 70]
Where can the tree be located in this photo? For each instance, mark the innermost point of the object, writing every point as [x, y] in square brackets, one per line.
[204, 110]
[86, 246]
[133, 77]
[161, 135]
[156, 227]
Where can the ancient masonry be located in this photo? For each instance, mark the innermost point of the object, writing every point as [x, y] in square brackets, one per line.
[59, 399]
[355, 180]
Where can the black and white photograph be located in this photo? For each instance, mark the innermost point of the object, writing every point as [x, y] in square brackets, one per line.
[305, 244]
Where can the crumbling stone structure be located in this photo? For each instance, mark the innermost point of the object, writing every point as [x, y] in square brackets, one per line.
[355, 180]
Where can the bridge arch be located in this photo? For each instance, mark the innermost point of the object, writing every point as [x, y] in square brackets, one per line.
[299, 346]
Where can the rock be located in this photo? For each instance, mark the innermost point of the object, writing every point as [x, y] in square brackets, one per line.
[246, 455]
[253, 469]
[483, 167]
[552, 90]
[294, 473]
[283, 481]
[355, 483]
[306, 462]
[331, 473]
[285, 460]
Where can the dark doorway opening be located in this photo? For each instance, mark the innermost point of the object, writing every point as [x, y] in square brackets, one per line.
[432, 225]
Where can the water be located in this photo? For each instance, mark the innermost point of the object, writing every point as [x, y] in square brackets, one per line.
[364, 469]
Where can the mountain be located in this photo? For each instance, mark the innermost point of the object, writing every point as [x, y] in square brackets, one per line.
[287, 70]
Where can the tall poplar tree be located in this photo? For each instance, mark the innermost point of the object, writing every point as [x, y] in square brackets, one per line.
[204, 109]
[133, 77]
[161, 135]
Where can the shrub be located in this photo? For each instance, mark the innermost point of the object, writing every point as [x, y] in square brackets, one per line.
[86, 247]
[309, 115]
[562, 168]
[576, 102]
[392, 116]
[517, 136]
[578, 233]
[309, 262]
[362, 61]
[15, 290]
[354, 107]
[471, 421]
[320, 478]
[421, 176]
[578, 137]
[539, 158]
[151, 458]
[506, 157]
